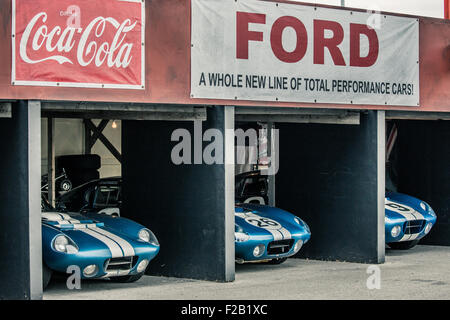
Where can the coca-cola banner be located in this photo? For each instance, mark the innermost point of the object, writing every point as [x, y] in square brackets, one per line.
[78, 43]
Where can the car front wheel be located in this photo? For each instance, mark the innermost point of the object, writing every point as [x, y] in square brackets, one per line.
[403, 245]
[46, 275]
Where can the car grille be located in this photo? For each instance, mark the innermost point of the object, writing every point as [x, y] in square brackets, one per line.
[414, 226]
[125, 263]
[280, 246]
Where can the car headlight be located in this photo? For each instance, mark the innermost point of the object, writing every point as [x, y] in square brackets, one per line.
[395, 231]
[298, 245]
[90, 271]
[258, 251]
[63, 244]
[423, 206]
[142, 266]
[428, 227]
[148, 236]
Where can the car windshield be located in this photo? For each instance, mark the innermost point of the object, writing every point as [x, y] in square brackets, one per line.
[255, 186]
[107, 196]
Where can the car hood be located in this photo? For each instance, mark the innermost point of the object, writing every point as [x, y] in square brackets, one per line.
[265, 220]
[91, 236]
[400, 206]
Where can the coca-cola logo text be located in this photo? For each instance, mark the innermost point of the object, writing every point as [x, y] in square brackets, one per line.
[79, 43]
[117, 53]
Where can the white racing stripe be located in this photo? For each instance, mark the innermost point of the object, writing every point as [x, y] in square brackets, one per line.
[116, 251]
[409, 237]
[125, 245]
[286, 233]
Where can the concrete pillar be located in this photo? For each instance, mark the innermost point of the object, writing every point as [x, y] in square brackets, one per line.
[332, 176]
[20, 210]
[190, 207]
[424, 170]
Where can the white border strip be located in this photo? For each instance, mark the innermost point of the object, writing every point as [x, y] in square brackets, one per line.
[78, 84]
[13, 42]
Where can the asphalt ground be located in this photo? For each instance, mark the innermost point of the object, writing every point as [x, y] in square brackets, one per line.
[420, 273]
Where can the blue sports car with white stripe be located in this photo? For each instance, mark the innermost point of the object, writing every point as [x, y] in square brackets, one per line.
[408, 220]
[100, 245]
[267, 233]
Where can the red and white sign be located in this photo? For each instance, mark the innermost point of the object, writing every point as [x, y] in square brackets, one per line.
[268, 51]
[78, 43]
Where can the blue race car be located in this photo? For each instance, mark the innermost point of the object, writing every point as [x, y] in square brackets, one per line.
[100, 245]
[267, 233]
[261, 232]
[408, 220]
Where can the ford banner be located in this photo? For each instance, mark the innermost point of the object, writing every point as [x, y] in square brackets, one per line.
[286, 52]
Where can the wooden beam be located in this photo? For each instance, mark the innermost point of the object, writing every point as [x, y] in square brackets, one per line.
[95, 135]
[104, 140]
[87, 139]
[291, 111]
[271, 149]
[350, 119]
[105, 106]
[411, 115]
[199, 114]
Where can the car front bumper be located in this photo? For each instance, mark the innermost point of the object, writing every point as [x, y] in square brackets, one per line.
[105, 265]
[410, 230]
[272, 249]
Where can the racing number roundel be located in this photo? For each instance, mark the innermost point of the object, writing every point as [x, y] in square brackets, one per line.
[397, 207]
[264, 223]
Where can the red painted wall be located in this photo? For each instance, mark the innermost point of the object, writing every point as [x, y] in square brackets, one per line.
[168, 65]
[447, 9]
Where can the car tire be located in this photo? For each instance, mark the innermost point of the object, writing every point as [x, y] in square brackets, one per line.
[46, 275]
[403, 245]
[65, 185]
[277, 261]
[127, 279]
